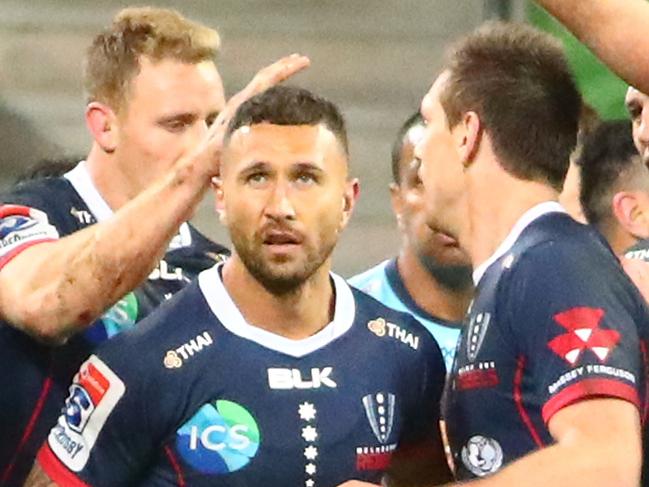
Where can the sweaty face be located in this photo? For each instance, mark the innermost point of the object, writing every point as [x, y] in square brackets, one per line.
[637, 104]
[285, 197]
[169, 106]
[441, 169]
[439, 253]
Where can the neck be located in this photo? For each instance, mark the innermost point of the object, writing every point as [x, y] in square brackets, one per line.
[429, 294]
[111, 183]
[492, 218]
[295, 315]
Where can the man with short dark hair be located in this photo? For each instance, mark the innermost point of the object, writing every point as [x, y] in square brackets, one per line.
[431, 277]
[548, 383]
[87, 255]
[270, 369]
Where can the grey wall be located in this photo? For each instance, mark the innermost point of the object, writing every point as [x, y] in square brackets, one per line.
[375, 58]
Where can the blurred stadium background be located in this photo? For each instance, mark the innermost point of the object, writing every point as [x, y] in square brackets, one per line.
[375, 58]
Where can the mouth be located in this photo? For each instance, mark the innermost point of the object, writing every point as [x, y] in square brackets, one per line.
[281, 240]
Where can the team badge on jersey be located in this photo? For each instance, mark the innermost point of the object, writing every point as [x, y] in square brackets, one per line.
[93, 395]
[482, 455]
[20, 225]
[476, 332]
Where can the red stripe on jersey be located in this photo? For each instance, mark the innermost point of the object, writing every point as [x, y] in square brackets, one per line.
[518, 399]
[38, 409]
[176, 466]
[12, 210]
[4, 260]
[55, 470]
[589, 389]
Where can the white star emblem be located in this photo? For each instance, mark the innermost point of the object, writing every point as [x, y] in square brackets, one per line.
[309, 483]
[310, 469]
[309, 433]
[306, 411]
[310, 452]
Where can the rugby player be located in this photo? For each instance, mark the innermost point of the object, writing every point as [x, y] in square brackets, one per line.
[431, 276]
[615, 188]
[548, 384]
[73, 246]
[269, 369]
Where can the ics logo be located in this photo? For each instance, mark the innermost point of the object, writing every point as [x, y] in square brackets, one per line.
[222, 437]
[120, 317]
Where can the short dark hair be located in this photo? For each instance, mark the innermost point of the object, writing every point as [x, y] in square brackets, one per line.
[290, 105]
[397, 147]
[607, 154]
[517, 80]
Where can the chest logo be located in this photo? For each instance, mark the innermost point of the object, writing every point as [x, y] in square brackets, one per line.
[476, 332]
[379, 409]
[220, 438]
[381, 328]
[174, 359]
[287, 379]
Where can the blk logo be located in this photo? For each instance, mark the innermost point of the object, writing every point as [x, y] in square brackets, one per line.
[583, 334]
[293, 379]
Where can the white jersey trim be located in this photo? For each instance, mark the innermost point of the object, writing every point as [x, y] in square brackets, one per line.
[82, 183]
[226, 311]
[523, 222]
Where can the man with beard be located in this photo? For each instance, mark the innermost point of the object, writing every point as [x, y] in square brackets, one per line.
[270, 369]
[88, 254]
[548, 384]
[431, 277]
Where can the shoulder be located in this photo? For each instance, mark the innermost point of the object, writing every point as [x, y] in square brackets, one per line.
[40, 193]
[206, 245]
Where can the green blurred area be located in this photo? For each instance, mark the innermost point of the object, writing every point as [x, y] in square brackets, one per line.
[601, 88]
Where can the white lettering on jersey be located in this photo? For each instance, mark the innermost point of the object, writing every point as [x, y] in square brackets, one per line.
[20, 225]
[173, 359]
[292, 379]
[166, 272]
[380, 328]
[95, 392]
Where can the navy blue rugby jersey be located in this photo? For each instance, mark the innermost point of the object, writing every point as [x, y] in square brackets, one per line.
[554, 321]
[35, 377]
[212, 400]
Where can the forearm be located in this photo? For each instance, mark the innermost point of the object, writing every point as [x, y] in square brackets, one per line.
[53, 290]
[615, 30]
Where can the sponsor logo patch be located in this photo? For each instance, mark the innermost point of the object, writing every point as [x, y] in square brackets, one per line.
[477, 376]
[279, 378]
[174, 359]
[583, 333]
[222, 437]
[382, 328]
[482, 455]
[20, 225]
[95, 392]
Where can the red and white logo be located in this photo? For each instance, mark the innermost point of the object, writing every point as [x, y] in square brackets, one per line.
[584, 333]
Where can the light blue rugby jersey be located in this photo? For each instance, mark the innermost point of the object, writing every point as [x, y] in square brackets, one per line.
[384, 283]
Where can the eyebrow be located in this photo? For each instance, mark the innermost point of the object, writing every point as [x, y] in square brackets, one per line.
[183, 117]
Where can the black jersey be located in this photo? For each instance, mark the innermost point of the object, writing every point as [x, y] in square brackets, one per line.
[35, 377]
[554, 321]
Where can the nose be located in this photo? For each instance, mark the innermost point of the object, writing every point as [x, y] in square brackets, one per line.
[279, 205]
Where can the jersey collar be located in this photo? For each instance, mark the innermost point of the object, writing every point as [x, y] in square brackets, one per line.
[226, 311]
[79, 178]
[523, 222]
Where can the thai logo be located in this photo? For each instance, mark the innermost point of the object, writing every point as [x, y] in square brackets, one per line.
[379, 409]
[222, 437]
[120, 317]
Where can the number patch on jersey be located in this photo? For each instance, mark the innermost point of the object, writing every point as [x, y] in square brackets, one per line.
[95, 392]
[20, 225]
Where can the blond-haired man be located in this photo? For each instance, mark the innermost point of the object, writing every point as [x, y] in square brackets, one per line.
[72, 247]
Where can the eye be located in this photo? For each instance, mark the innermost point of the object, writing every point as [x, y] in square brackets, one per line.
[174, 125]
[634, 111]
[306, 179]
[210, 120]
[257, 178]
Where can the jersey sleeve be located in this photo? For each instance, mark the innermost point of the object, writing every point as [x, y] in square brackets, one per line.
[102, 437]
[574, 318]
[21, 227]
